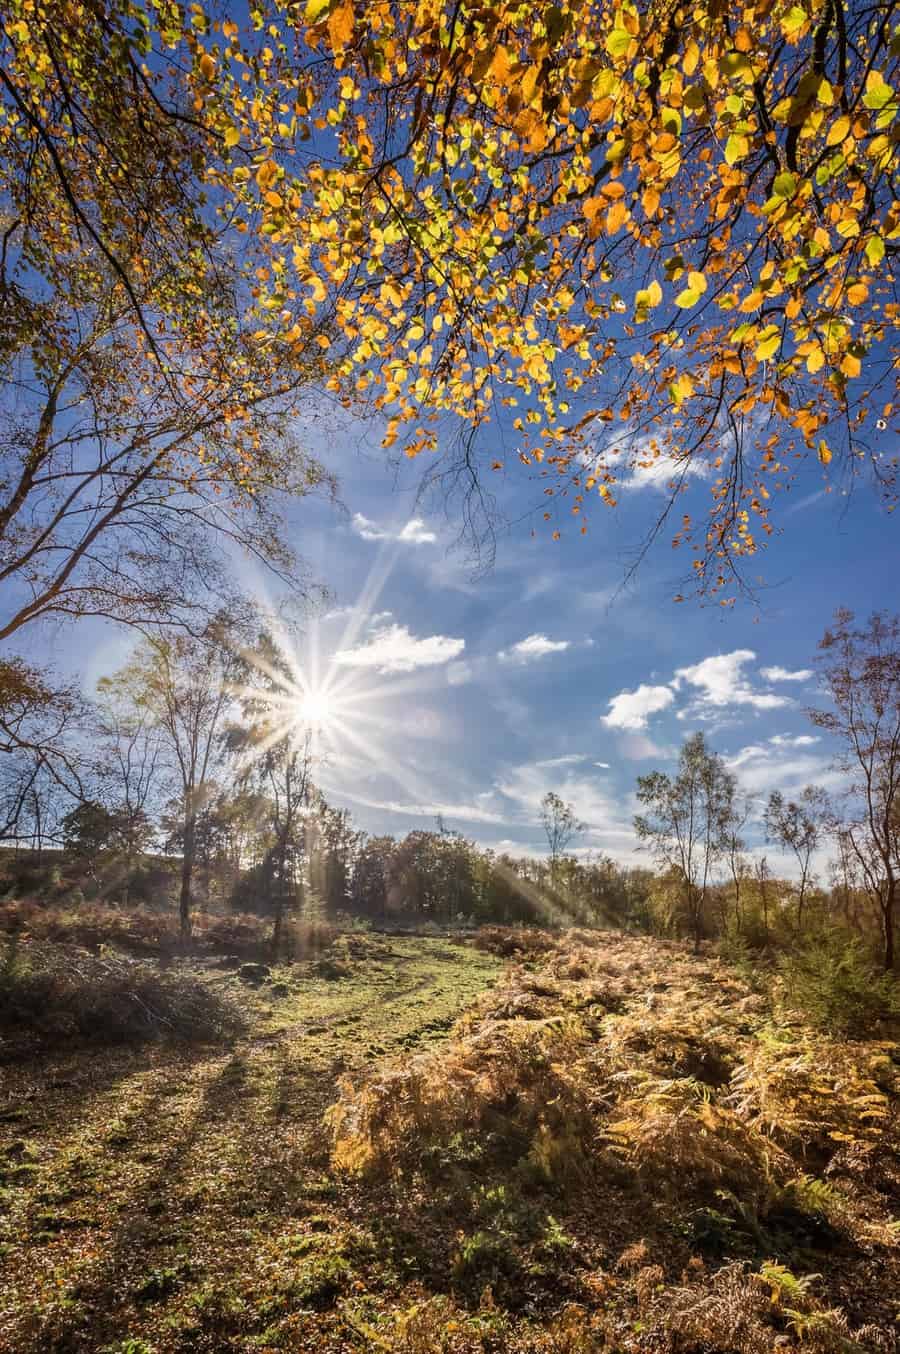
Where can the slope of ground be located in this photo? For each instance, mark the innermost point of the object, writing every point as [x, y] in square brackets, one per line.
[617, 1147]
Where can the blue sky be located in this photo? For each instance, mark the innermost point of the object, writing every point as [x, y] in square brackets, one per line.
[473, 696]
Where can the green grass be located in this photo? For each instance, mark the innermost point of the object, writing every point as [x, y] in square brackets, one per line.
[181, 1198]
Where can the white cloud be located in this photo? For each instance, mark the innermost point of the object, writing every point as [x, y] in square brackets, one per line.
[466, 813]
[535, 646]
[761, 769]
[607, 815]
[661, 472]
[393, 648]
[721, 681]
[604, 766]
[570, 759]
[637, 747]
[802, 740]
[777, 674]
[414, 533]
[630, 709]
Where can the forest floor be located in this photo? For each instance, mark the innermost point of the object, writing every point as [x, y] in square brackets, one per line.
[614, 1148]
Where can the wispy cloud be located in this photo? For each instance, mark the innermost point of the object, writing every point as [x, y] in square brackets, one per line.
[661, 473]
[534, 647]
[777, 674]
[461, 812]
[631, 709]
[762, 768]
[637, 747]
[458, 674]
[800, 740]
[393, 648]
[570, 759]
[415, 532]
[607, 815]
[805, 502]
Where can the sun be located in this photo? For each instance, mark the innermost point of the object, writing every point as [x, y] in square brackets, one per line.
[315, 709]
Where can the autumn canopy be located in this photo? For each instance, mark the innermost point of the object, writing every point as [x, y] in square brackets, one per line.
[595, 236]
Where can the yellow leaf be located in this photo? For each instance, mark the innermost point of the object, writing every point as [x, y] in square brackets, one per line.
[265, 174]
[618, 42]
[687, 298]
[770, 342]
[697, 282]
[815, 361]
[824, 452]
[648, 297]
[232, 136]
[878, 91]
[207, 66]
[850, 365]
[837, 131]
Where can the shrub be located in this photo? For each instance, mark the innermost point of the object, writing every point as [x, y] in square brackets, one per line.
[53, 992]
[525, 942]
[813, 1092]
[671, 1132]
[147, 932]
[514, 1084]
[832, 981]
[754, 1312]
[436, 1326]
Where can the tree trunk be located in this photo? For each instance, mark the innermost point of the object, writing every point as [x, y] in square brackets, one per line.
[276, 924]
[279, 873]
[696, 906]
[187, 870]
[889, 957]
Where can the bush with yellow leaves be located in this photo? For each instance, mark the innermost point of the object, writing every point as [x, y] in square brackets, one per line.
[673, 1134]
[756, 1312]
[811, 1092]
[514, 1081]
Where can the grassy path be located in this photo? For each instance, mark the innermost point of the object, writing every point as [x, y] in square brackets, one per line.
[160, 1199]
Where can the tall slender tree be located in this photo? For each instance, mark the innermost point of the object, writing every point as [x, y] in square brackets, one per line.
[799, 826]
[687, 822]
[274, 747]
[183, 684]
[561, 825]
[859, 666]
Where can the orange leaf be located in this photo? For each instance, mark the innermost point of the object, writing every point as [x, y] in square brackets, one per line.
[341, 22]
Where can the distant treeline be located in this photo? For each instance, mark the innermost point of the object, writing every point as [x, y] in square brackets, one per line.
[192, 778]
